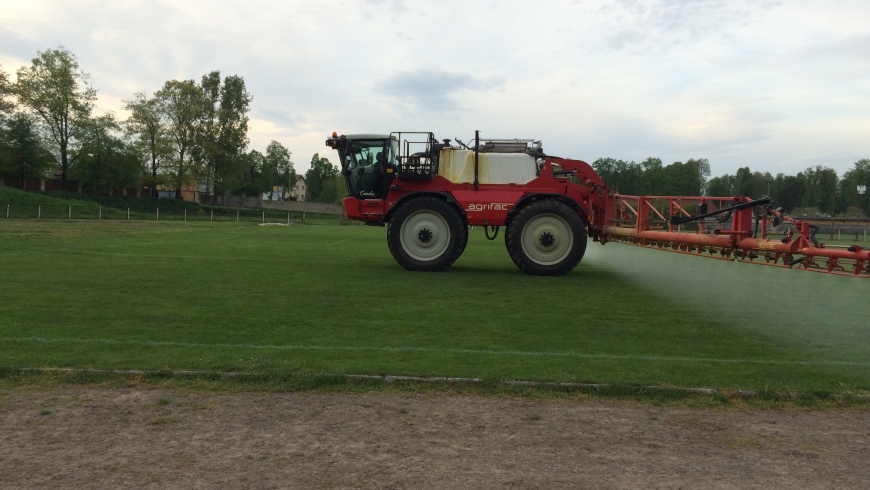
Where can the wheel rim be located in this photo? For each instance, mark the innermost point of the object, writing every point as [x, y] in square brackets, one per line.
[547, 239]
[425, 235]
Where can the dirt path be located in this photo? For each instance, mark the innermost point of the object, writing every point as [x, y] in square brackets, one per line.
[150, 438]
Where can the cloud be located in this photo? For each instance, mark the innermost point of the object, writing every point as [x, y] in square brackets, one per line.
[396, 6]
[435, 89]
[740, 82]
[649, 23]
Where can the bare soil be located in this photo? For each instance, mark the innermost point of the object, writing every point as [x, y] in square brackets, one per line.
[94, 437]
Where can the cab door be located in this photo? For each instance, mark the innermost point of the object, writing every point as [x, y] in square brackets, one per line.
[368, 167]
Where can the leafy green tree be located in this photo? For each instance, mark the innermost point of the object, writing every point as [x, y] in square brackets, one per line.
[334, 190]
[788, 191]
[56, 89]
[654, 176]
[278, 160]
[606, 169]
[222, 132]
[256, 175]
[820, 187]
[108, 162]
[22, 155]
[319, 179]
[683, 179]
[182, 104]
[6, 94]
[147, 126]
[848, 193]
[627, 177]
[746, 183]
[697, 172]
[724, 186]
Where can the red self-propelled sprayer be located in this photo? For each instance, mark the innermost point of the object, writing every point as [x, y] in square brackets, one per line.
[428, 193]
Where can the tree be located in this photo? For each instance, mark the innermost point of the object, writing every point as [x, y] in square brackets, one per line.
[746, 185]
[319, 178]
[334, 190]
[182, 104]
[6, 94]
[279, 162]
[222, 133]
[653, 181]
[626, 176]
[820, 186]
[22, 155]
[256, 175]
[697, 174]
[765, 184]
[788, 191]
[147, 125]
[723, 186]
[108, 162]
[60, 93]
[858, 175]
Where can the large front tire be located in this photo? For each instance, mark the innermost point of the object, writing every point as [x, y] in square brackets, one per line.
[426, 234]
[546, 238]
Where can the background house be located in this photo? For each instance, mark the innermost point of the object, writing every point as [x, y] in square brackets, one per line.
[297, 192]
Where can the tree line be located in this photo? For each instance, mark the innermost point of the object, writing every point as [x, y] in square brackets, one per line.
[817, 191]
[192, 132]
[187, 132]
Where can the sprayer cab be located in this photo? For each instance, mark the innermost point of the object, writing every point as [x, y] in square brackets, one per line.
[368, 163]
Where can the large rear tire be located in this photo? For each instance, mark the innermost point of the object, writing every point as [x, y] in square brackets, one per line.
[546, 238]
[426, 234]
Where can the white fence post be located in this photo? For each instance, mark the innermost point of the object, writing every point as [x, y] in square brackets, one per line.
[303, 218]
[211, 215]
[185, 214]
[237, 214]
[158, 214]
[38, 211]
[128, 214]
[264, 216]
[288, 218]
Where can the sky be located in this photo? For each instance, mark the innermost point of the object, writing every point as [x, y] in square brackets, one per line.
[774, 85]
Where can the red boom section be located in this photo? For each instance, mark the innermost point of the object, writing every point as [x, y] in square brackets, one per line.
[641, 221]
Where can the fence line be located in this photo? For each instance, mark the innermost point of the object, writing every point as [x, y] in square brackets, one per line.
[69, 212]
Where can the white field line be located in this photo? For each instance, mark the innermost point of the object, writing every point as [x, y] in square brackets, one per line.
[72, 249]
[342, 241]
[417, 379]
[436, 350]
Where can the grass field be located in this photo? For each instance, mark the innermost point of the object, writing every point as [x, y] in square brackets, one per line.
[330, 299]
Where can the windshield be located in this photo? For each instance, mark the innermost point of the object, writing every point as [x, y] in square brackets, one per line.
[365, 166]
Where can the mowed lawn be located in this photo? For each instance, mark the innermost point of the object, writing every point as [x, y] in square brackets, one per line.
[331, 299]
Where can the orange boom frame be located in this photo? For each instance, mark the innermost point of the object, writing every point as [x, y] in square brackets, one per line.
[730, 231]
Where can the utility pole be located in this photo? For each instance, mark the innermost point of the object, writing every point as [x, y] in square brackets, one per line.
[833, 208]
[861, 190]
